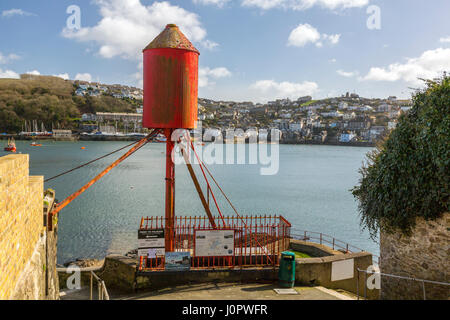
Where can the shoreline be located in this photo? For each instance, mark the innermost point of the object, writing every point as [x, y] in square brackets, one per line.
[127, 138]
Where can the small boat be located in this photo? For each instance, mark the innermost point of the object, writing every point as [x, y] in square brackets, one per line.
[11, 147]
[35, 144]
[160, 138]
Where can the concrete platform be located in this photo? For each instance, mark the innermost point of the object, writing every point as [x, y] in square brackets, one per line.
[220, 291]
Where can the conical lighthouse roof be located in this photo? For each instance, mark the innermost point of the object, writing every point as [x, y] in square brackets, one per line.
[171, 37]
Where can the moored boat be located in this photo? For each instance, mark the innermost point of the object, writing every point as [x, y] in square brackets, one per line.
[11, 147]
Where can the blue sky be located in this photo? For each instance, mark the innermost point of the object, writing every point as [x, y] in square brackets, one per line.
[251, 50]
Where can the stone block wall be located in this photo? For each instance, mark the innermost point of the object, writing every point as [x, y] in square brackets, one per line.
[318, 271]
[22, 234]
[423, 255]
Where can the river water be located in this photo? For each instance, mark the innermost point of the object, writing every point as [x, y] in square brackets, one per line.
[311, 190]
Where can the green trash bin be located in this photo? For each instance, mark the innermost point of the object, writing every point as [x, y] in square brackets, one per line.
[286, 273]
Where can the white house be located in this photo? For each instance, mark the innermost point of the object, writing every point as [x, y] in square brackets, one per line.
[392, 125]
[384, 108]
[346, 137]
[349, 116]
[88, 117]
[406, 109]
[295, 126]
[343, 105]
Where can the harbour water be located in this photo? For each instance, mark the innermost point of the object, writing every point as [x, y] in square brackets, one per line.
[311, 190]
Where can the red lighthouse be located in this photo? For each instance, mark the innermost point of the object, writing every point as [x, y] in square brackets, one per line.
[170, 100]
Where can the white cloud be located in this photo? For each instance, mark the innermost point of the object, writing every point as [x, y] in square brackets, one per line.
[83, 77]
[126, 27]
[445, 40]
[137, 77]
[219, 3]
[34, 72]
[302, 35]
[305, 33]
[333, 60]
[8, 58]
[349, 74]
[9, 74]
[208, 44]
[64, 76]
[429, 65]
[305, 4]
[205, 74]
[16, 12]
[270, 89]
[332, 38]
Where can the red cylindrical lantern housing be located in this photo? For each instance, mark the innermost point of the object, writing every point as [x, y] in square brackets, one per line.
[170, 81]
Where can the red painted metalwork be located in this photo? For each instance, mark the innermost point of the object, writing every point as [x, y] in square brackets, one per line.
[170, 81]
[73, 196]
[235, 211]
[259, 240]
[207, 182]
[170, 101]
[170, 192]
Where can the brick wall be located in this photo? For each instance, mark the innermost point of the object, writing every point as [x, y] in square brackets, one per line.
[21, 219]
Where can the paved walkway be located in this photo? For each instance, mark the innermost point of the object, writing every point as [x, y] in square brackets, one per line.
[221, 291]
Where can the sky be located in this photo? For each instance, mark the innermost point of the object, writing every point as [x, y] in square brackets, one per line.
[251, 50]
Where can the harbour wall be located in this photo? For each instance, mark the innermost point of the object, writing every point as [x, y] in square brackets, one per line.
[326, 261]
[120, 272]
[27, 250]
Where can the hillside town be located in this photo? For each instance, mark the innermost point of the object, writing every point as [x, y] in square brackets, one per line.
[95, 89]
[345, 119]
[348, 119]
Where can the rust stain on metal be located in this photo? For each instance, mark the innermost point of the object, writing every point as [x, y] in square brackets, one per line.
[173, 38]
[170, 81]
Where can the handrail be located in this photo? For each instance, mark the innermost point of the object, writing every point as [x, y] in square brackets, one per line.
[405, 278]
[285, 221]
[319, 237]
[102, 291]
[86, 269]
[423, 281]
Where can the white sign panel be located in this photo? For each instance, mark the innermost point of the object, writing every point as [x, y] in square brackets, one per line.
[151, 243]
[151, 252]
[341, 270]
[151, 238]
[217, 243]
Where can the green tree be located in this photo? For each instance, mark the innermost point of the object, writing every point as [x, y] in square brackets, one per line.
[407, 175]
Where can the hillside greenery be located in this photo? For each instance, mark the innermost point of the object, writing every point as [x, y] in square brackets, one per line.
[50, 100]
[407, 176]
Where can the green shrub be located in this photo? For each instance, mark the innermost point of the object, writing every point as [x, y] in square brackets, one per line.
[407, 176]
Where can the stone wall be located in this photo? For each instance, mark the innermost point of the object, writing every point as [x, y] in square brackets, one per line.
[423, 255]
[119, 274]
[24, 259]
[318, 271]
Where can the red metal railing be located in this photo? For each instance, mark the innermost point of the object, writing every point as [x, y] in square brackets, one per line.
[258, 241]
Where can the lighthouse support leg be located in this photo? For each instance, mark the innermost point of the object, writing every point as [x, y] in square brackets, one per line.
[169, 231]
